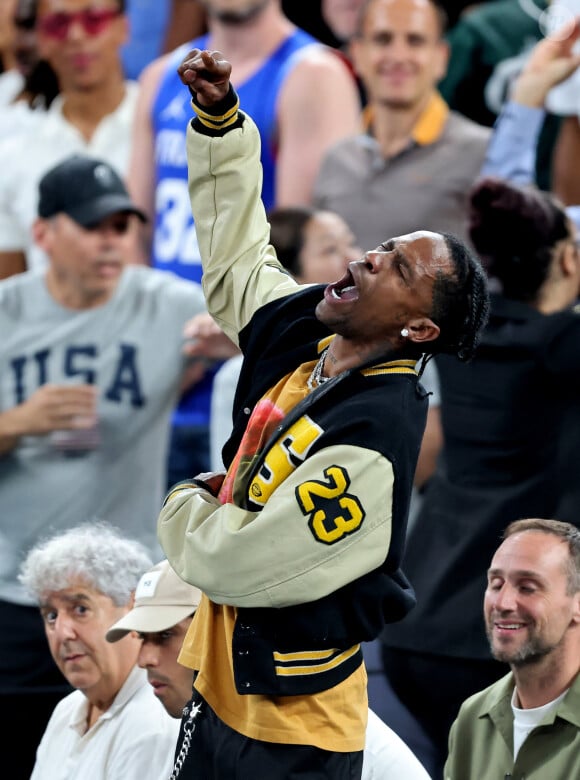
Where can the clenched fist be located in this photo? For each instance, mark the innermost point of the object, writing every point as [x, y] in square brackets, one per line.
[207, 74]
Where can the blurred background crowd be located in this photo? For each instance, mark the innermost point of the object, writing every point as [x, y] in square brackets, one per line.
[377, 118]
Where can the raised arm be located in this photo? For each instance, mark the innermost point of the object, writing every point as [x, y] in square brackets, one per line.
[512, 150]
[241, 271]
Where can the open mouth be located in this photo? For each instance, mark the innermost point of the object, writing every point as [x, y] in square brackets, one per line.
[343, 290]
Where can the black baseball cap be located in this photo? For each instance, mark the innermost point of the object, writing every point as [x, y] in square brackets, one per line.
[86, 189]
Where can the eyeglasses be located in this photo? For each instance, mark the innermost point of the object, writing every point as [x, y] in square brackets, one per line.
[93, 21]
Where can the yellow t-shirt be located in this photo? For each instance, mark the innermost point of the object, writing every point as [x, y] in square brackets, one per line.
[334, 719]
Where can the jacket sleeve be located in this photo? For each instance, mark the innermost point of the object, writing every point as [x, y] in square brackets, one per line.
[324, 526]
[240, 268]
[511, 153]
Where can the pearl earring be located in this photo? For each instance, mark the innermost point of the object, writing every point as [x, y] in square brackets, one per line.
[404, 333]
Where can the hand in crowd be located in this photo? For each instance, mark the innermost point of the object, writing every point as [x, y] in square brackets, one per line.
[205, 339]
[207, 74]
[57, 407]
[204, 343]
[552, 60]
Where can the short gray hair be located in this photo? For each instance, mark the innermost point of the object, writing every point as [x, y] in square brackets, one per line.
[567, 532]
[95, 552]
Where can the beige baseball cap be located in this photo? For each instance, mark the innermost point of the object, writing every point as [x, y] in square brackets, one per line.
[162, 599]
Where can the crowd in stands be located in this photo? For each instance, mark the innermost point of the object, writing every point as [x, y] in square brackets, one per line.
[133, 377]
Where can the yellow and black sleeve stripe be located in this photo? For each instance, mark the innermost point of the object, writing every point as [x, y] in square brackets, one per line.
[218, 119]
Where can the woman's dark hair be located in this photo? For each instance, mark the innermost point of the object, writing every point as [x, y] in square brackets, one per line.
[40, 82]
[287, 234]
[514, 230]
[460, 303]
[41, 85]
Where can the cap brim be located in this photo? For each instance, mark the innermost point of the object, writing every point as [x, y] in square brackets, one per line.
[148, 620]
[88, 214]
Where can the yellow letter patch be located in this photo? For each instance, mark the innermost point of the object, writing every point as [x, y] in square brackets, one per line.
[285, 456]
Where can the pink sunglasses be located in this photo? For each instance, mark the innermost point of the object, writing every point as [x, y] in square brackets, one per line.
[93, 21]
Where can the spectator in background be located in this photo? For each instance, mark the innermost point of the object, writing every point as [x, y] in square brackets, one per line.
[341, 17]
[512, 150]
[528, 723]
[91, 365]
[111, 727]
[35, 82]
[318, 16]
[489, 45]
[283, 75]
[162, 614]
[502, 417]
[313, 245]
[156, 27]
[413, 168]
[510, 155]
[92, 115]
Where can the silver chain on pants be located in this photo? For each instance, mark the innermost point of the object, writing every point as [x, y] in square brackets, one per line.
[188, 729]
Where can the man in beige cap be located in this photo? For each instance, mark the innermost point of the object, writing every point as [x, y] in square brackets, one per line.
[163, 609]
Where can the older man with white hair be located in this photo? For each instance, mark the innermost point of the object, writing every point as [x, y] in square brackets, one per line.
[111, 727]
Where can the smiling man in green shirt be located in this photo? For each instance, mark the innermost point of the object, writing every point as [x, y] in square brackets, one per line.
[527, 725]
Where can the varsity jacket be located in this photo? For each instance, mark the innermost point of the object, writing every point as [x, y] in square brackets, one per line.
[310, 549]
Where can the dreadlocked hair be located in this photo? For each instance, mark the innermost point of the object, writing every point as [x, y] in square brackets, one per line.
[460, 303]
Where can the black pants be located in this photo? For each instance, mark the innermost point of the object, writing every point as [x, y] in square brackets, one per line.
[216, 752]
[433, 688]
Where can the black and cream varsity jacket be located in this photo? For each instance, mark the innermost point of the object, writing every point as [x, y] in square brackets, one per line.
[310, 550]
